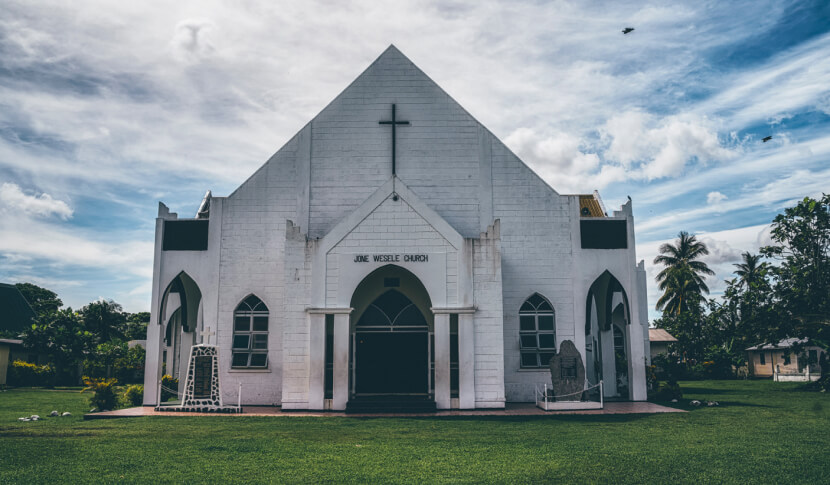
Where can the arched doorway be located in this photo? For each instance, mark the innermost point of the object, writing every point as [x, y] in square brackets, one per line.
[606, 336]
[391, 335]
[180, 318]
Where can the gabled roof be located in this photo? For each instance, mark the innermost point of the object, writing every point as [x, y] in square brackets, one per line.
[15, 312]
[660, 335]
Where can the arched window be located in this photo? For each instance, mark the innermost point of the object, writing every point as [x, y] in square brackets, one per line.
[537, 332]
[250, 334]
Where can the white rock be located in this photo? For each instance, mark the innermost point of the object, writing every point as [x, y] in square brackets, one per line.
[712, 403]
[34, 417]
[53, 413]
[66, 414]
[22, 419]
[695, 402]
[674, 400]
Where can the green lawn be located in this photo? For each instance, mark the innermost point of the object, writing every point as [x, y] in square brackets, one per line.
[763, 432]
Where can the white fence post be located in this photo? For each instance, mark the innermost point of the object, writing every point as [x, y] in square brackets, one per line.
[601, 396]
[239, 397]
[158, 396]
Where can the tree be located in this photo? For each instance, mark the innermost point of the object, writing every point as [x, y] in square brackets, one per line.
[104, 319]
[751, 271]
[682, 280]
[135, 326]
[801, 242]
[681, 293]
[62, 337]
[41, 300]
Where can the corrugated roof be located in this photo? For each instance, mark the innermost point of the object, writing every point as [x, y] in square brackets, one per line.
[592, 204]
[16, 313]
[12, 341]
[784, 344]
[660, 335]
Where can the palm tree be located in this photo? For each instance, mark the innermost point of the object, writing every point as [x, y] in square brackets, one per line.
[751, 271]
[682, 279]
[681, 292]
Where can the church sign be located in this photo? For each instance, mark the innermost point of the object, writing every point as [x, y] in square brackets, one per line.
[391, 258]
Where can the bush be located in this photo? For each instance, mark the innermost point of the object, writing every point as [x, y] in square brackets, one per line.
[103, 392]
[170, 383]
[27, 374]
[133, 395]
[668, 391]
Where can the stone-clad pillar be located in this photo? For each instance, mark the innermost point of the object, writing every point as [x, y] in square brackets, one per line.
[466, 362]
[340, 395]
[442, 360]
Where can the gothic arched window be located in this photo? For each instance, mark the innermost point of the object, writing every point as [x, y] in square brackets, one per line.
[250, 334]
[537, 332]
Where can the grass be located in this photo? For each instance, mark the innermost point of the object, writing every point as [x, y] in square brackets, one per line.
[763, 432]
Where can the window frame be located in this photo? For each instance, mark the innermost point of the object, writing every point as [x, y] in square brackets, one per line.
[544, 309]
[252, 308]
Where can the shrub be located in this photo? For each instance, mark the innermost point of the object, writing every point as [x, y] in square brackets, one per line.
[103, 392]
[23, 373]
[669, 391]
[169, 382]
[133, 395]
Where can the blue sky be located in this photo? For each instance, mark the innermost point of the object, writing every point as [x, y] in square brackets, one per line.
[107, 108]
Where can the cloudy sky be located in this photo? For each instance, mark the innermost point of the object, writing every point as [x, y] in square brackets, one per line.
[108, 107]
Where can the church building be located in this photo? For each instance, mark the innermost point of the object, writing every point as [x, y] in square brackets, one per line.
[395, 248]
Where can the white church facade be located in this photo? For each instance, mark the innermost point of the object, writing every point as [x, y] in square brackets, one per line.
[395, 247]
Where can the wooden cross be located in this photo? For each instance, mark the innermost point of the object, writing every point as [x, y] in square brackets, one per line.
[394, 122]
[206, 333]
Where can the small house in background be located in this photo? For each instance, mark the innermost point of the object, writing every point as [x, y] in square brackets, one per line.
[659, 340]
[15, 316]
[782, 364]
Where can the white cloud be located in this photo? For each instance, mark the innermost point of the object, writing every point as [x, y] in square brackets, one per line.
[715, 197]
[43, 205]
[652, 148]
[27, 239]
[558, 158]
[193, 39]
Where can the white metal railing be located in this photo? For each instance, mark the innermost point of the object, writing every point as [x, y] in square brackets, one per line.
[162, 388]
[543, 397]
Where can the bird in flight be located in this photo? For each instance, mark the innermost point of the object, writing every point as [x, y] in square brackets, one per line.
[766, 138]
[627, 30]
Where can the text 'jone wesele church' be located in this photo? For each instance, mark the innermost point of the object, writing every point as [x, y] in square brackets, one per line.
[395, 247]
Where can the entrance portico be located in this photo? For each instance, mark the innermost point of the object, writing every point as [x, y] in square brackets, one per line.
[396, 308]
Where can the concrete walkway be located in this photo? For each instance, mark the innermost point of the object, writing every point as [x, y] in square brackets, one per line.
[512, 409]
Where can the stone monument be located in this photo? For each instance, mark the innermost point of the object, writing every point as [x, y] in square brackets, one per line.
[567, 373]
[202, 389]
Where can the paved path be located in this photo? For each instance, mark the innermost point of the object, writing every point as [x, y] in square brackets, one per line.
[512, 409]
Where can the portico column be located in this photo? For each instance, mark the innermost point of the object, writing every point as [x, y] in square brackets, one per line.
[316, 360]
[340, 394]
[466, 362]
[442, 360]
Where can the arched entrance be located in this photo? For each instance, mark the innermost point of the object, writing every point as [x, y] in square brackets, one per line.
[180, 318]
[606, 336]
[391, 330]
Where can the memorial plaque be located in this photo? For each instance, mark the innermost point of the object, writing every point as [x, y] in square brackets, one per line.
[567, 373]
[202, 377]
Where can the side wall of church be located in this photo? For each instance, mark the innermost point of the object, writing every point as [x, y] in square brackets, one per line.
[252, 262]
[536, 258]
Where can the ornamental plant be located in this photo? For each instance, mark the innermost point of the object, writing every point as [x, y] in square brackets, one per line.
[103, 392]
[133, 395]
